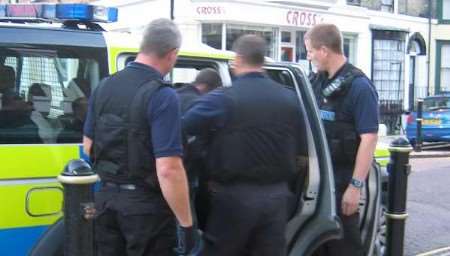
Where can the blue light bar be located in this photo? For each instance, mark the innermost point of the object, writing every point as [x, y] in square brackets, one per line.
[59, 12]
[86, 12]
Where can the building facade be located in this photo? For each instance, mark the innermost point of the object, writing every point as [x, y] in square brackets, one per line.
[388, 39]
[440, 55]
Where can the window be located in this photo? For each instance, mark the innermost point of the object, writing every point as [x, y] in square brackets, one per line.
[354, 2]
[379, 5]
[270, 34]
[435, 103]
[418, 8]
[444, 83]
[388, 75]
[44, 94]
[212, 35]
[350, 48]
[286, 37]
[300, 51]
[445, 10]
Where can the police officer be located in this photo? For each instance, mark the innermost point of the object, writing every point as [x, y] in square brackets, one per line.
[348, 105]
[206, 80]
[132, 134]
[251, 156]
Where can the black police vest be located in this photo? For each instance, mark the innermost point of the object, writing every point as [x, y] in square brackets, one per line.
[343, 140]
[258, 144]
[122, 147]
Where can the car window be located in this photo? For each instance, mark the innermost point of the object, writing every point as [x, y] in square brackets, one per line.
[436, 103]
[184, 71]
[44, 94]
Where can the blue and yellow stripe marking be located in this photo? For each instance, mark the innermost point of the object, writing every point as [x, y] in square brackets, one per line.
[29, 171]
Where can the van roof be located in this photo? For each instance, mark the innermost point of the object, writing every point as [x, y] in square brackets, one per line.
[131, 41]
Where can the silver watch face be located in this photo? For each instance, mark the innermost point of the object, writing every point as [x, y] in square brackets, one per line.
[357, 183]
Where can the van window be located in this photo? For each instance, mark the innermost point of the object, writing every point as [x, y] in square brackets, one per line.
[44, 94]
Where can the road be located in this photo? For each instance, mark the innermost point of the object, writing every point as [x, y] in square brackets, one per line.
[428, 225]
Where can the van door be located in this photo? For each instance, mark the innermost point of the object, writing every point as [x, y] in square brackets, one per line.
[315, 220]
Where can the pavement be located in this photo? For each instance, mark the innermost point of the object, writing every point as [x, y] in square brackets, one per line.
[430, 150]
[431, 153]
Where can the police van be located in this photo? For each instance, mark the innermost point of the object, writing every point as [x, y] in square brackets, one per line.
[52, 57]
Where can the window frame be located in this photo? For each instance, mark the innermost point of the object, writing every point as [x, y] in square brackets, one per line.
[437, 81]
[440, 13]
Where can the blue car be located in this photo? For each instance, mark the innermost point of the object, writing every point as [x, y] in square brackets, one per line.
[436, 120]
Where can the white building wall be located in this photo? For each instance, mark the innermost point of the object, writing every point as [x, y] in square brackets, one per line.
[352, 20]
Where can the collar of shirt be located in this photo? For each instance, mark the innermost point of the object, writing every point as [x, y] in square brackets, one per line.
[250, 75]
[338, 72]
[147, 68]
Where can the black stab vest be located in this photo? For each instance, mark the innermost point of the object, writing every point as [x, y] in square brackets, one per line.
[122, 146]
[343, 140]
[259, 143]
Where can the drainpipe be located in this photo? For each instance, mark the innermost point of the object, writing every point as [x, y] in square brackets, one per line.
[430, 2]
[171, 9]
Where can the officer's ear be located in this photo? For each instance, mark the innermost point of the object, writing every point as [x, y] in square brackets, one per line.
[173, 54]
[324, 51]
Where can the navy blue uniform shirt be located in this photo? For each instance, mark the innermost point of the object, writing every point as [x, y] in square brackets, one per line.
[163, 116]
[211, 111]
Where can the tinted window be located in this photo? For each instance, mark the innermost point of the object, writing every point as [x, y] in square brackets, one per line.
[44, 93]
[431, 104]
[281, 76]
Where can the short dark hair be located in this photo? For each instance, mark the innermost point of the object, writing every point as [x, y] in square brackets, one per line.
[210, 77]
[251, 48]
[327, 35]
[160, 37]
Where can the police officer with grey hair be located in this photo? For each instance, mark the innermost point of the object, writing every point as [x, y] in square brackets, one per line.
[256, 133]
[132, 135]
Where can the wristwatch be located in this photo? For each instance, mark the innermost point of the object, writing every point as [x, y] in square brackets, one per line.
[356, 183]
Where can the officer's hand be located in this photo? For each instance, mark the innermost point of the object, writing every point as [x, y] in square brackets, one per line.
[189, 241]
[350, 200]
[89, 211]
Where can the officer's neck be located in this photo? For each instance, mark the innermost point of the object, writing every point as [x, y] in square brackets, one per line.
[247, 69]
[336, 62]
[153, 62]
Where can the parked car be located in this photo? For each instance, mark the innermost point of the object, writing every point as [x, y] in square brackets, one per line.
[435, 120]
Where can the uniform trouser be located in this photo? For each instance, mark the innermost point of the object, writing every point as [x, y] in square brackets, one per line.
[133, 223]
[246, 220]
[351, 244]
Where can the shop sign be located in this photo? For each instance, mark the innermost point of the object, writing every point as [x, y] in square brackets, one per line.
[210, 10]
[302, 18]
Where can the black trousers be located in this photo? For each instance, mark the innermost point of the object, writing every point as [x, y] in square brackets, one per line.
[133, 223]
[246, 220]
[351, 244]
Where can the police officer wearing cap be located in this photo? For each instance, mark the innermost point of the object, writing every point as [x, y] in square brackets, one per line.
[256, 132]
[132, 135]
[348, 105]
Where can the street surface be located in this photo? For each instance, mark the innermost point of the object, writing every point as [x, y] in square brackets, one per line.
[428, 224]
